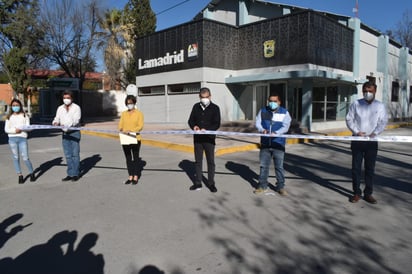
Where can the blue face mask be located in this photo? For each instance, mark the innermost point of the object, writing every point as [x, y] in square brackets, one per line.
[15, 108]
[273, 105]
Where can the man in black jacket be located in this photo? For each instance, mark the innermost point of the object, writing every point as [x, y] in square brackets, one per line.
[204, 116]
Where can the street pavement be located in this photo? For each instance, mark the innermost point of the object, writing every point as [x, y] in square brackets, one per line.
[100, 225]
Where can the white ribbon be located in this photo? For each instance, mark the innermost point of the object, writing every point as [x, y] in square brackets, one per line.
[407, 139]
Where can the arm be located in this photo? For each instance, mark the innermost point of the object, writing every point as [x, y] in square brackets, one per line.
[8, 129]
[258, 122]
[382, 121]
[140, 122]
[192, 119]
[216, 119]
[350, 120]
[285, 124]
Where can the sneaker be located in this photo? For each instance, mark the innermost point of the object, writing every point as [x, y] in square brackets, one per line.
[355, 198]
[213, 188]
[67, 178]
[195, 187]
[282, 192]
[260, 190]
[370, 199]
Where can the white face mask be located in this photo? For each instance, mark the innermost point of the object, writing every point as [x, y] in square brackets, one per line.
[130, 106]
[368, 96]
[205, 101]
[67, 101]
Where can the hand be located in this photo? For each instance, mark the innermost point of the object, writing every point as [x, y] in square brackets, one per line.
[363, 134]
[18, 130]
[264, 131]
[373, 135]
[196, 128]
[55, 124]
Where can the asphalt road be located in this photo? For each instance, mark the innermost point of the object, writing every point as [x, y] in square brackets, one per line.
[100, 225]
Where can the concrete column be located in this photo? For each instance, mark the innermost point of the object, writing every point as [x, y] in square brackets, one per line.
[403, 77]
[307, 87]
[382, 66]
[354, 23]
[243, 13]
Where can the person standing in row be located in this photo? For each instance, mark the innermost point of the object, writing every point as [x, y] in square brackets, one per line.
[204, 116]
[367, 117]
[130, 124]
[15, 121]
[69, 115]
[272, 119]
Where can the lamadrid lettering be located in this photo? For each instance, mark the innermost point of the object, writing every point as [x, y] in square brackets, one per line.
[168, 59]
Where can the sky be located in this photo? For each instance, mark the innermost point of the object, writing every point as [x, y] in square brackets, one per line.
[381, 15]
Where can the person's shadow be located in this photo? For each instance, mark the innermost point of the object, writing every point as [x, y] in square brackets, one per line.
[44, 167]
[245, 172]
[189, 168]
[88, 163]
[4, 235]
[50, 257]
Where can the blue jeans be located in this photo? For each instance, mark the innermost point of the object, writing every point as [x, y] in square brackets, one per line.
[71, 148]
[18, 145]
[265, 156]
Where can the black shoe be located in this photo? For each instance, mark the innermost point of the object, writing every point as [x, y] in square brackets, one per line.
[21, 180]
[32, 177]
[213, 188]
[196, 187]
[75, 178]
[67, 178]
[134, 182]
[128, 182]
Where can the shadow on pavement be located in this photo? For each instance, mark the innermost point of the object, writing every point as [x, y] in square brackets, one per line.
[244, 172]
[50, 257]
[295, 237]
[5, 233]
[43, 168]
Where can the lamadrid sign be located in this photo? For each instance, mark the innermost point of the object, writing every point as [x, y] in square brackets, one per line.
[168, 59]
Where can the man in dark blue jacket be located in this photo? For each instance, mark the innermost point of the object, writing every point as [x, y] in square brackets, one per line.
[205, 115]
[274, 120]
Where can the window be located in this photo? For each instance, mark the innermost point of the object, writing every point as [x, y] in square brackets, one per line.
[156, 90]
[410, 94]
[325, 102]
[183, 88]
[395, 92]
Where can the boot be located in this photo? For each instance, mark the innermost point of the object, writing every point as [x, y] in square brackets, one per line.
[21, 179]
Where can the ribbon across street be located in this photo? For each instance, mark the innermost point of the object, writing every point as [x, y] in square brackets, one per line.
[386, 138]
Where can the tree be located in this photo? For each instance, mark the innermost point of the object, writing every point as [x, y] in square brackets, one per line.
[20, 36]
[73, 35]
[403, 31]
[140, 21]
[114, 52]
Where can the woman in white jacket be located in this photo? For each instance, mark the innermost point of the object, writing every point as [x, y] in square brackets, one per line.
[18, 138]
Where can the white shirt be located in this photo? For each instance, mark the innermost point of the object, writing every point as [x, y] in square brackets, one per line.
[68, 117]
[16, 121]
[364, 117]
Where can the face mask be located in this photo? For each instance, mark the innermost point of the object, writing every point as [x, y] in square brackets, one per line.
[15, 108]
[273, 105]
[67, 101]
[205, 101]
[368, 96]
[130, 106]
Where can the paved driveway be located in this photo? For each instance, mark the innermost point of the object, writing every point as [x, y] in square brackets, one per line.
[100, 225]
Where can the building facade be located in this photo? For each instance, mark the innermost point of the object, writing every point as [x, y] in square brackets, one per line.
[245, 50]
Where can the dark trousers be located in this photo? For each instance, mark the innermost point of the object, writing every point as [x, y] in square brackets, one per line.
[363, 150]
[132, 158]
[209, 150]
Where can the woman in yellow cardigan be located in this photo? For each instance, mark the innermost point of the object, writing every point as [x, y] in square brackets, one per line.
[130, 124]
